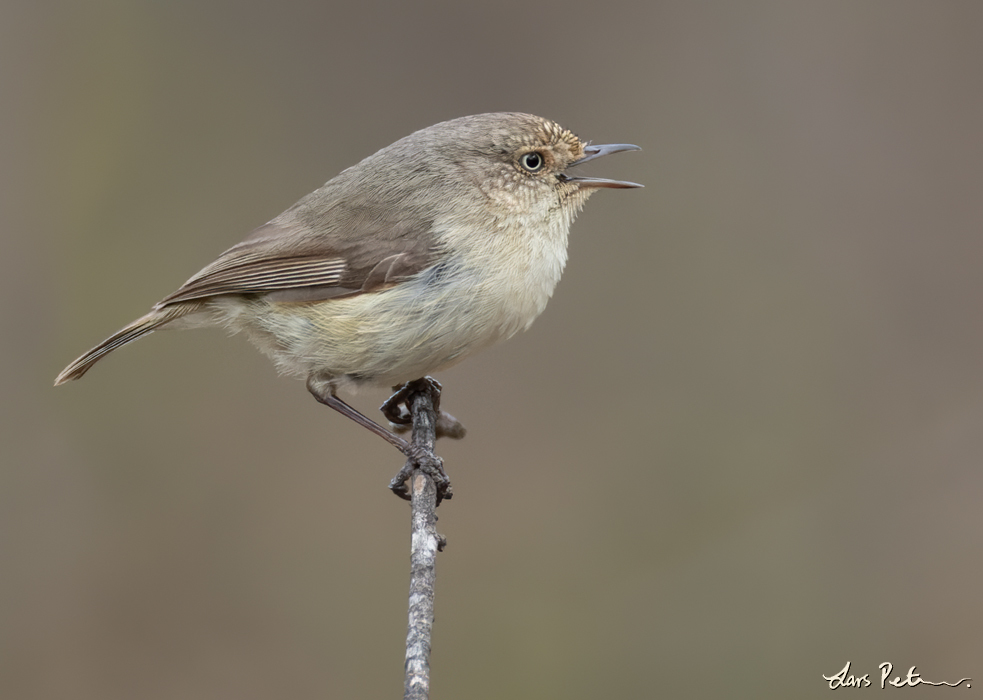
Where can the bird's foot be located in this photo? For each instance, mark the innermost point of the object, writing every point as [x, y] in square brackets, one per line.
[419, 457]
[398, 413]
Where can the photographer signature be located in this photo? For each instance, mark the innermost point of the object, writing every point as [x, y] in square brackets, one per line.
[845, 679]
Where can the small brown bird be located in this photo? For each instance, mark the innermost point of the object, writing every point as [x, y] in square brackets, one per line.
[448, 240]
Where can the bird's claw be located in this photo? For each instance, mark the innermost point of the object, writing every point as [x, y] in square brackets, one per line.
[430, 464]
[398, 414]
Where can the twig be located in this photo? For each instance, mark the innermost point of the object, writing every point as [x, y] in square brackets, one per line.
[423, 400]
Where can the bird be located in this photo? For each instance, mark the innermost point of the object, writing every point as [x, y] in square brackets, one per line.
[440, 244]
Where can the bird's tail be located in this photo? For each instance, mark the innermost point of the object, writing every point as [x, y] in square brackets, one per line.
[139, 328]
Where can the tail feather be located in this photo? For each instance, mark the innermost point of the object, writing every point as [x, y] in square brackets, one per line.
[139, 328]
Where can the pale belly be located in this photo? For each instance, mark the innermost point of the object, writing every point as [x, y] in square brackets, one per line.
[388, 337]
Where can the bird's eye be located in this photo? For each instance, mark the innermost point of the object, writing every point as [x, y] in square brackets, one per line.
[532, 161]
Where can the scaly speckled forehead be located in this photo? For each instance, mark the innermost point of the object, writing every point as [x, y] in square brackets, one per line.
[505, 133]
[553, 134]
[515, 131]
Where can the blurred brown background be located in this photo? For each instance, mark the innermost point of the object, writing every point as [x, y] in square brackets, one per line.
[742, 446]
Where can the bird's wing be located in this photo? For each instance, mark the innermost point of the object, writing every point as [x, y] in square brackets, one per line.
[294, 258]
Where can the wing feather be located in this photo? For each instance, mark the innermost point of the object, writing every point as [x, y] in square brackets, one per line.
[297, 259]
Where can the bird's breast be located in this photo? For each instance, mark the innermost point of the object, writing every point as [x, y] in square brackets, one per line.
[506, 275]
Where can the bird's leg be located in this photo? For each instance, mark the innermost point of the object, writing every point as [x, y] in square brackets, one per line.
[324, 393]
[419, 453]
[397, 412]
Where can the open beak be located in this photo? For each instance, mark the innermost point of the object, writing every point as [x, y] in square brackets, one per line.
[593, 152]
